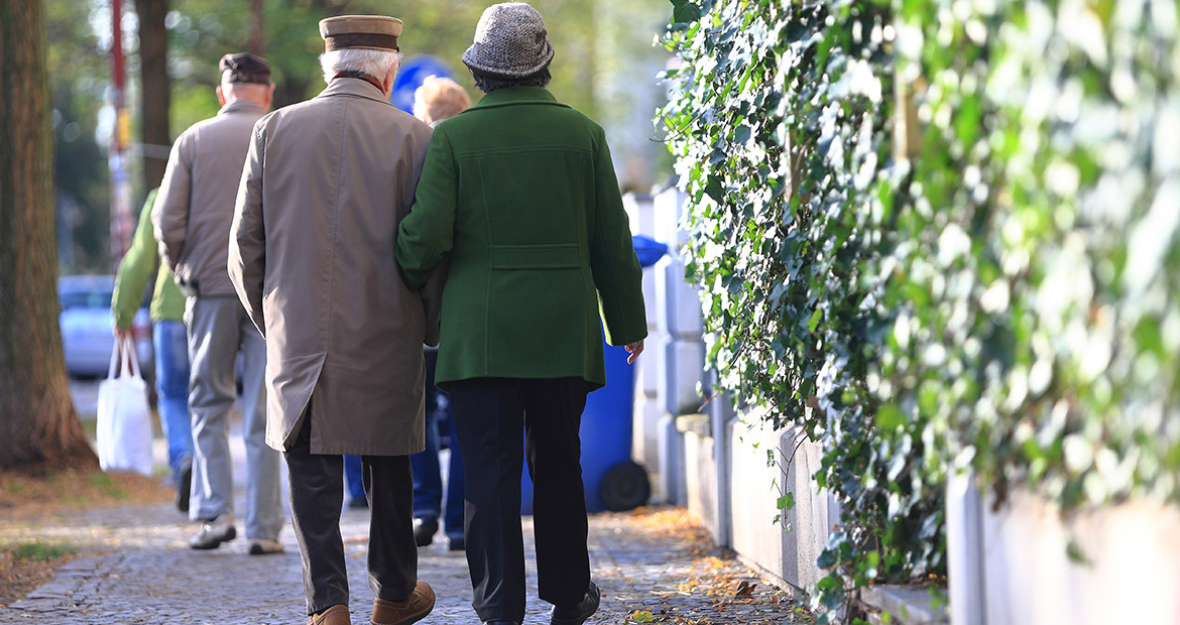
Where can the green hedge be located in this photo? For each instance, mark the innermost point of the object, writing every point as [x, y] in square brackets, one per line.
[939, 235]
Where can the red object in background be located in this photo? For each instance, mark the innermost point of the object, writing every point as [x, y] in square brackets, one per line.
[120, 196]
[118, 68]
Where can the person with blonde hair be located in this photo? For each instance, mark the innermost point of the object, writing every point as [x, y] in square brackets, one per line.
[436, 100]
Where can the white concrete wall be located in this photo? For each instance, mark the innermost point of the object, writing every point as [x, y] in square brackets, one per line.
[675, 353]
[645, 448]
[1133, 574]
[754, 491]
[678, 314]
[814, 516]
[701, 479]
[789, 548]
[964, 546]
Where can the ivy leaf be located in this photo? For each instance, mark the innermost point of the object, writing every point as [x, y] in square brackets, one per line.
[1076, 555]
[786, 502]
[714, 190]
[685, 12]
[889, 418]
[813, 323]
[742, 135]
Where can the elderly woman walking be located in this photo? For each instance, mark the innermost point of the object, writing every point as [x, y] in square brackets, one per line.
[519, 193]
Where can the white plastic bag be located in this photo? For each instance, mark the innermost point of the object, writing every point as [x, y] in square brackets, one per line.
[124, 423]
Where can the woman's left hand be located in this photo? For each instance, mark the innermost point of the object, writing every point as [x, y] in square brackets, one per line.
[635, 349]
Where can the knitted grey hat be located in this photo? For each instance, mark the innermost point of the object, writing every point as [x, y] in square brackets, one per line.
[510, 40]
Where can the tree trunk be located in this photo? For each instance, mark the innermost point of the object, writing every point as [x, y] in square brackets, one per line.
[291, 90]
[153, 55]
[38, 427]
[257, 32]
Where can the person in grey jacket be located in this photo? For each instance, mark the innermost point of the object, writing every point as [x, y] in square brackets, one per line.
[192, 218]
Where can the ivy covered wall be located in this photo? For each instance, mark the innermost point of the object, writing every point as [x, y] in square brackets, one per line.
[940, 235]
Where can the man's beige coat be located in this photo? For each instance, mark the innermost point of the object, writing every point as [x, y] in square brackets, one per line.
[311, 255]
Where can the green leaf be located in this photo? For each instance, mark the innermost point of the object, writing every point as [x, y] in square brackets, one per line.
[1075, 552]
[786, 502]
[889, 418]
[742, 135]
[814, 321]
[686, 12]
[1148, 337]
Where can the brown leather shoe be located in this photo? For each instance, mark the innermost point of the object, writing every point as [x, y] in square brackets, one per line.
[335, 615]
[413, 609]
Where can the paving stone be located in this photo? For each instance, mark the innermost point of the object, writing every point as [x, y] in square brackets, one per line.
[137, 568]
[149, 575]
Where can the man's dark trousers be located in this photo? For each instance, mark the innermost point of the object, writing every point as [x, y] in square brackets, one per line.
[490, 414]
[317, 494]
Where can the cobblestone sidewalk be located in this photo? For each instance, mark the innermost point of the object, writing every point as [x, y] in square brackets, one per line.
[652, 567]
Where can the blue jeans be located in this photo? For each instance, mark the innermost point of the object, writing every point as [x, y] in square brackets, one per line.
[170, 340]
[354, 477]
[428, 488]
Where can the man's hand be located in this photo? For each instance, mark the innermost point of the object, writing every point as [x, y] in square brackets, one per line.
[635, 349]
[123, 333]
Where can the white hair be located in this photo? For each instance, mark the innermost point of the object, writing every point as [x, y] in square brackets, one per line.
[372, 62]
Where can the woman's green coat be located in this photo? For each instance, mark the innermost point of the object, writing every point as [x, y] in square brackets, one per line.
[519, 194]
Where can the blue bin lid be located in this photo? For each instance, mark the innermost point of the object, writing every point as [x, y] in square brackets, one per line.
[648, 250]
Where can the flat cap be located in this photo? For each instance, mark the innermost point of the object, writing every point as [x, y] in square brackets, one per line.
[372, 32]
[510, 40]
[245, 67]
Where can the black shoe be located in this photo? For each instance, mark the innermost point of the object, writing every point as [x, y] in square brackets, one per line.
[184, 485]
[457, 544]
[424, 530]
[501, 623]
[578, 613]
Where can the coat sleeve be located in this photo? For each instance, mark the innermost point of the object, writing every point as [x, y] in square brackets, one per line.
[432, 301]
[247, 238]
[135, 269]
[425, 237]
[617, 274]
[170, 214]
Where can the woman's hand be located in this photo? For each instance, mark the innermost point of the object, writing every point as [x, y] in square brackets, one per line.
[635, 349]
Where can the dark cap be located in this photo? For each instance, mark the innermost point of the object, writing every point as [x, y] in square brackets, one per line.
[245, 67]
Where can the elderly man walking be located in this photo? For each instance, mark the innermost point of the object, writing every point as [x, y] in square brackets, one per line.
[520, 194]
[325, 186]
[192, 217]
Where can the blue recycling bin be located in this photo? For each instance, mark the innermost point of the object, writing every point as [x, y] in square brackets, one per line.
[611, 479]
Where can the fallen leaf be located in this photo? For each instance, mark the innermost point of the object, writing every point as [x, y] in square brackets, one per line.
[745, 589]
[643, 617]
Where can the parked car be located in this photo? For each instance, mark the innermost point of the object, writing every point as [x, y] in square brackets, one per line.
[87, 326]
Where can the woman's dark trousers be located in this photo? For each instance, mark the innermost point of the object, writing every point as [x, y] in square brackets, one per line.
[490, 415]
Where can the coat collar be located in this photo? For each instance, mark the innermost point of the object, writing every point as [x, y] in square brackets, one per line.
[354, 87]
[241, 105]
[517, 95]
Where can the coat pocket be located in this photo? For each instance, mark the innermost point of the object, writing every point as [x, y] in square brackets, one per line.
[549, 256]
